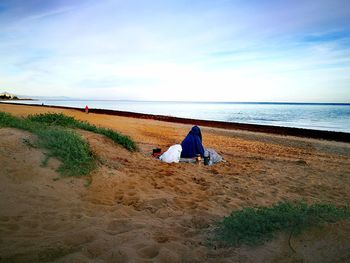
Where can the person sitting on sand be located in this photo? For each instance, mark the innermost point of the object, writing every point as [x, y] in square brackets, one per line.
[192, 144]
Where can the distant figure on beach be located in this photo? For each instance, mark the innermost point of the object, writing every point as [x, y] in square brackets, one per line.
[86, 109]
[192, 144]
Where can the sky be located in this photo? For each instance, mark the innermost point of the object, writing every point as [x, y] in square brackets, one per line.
[180, 50]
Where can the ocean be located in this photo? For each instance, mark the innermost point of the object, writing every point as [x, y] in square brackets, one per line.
[330, 117]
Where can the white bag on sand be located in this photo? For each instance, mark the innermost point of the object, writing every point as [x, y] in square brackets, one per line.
[172, 155]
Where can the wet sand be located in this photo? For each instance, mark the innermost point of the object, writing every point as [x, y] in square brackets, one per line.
[137, 209]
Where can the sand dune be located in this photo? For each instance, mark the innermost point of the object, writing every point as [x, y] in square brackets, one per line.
[137, 209]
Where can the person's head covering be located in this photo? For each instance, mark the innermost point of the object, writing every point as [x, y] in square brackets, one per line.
[192, 144]
[196, 132]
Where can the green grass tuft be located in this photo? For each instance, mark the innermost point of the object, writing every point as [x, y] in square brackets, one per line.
[54, 119]
[69, 122]
[66, 145]
[69, 147]
[7, 120]
[253, 226]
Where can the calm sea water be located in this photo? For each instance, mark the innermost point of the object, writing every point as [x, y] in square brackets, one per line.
[332, 117]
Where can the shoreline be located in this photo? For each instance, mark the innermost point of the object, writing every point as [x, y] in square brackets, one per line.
[279, 130]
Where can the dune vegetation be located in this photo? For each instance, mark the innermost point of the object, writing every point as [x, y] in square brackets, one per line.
[56, 134]
[59, 119]
[254, 226]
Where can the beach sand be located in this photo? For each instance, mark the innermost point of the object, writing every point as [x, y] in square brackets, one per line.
[136, 209]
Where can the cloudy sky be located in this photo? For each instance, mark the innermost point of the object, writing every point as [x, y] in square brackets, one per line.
[218, 50]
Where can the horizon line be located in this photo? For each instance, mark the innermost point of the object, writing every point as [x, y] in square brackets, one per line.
[177, 101]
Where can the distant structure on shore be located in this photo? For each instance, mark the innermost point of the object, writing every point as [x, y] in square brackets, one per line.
[7, 96]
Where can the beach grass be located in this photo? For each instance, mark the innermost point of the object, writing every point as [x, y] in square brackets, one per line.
[254, 226]
[66, 145]
[59, 119]
[74, 152]
[55, 134]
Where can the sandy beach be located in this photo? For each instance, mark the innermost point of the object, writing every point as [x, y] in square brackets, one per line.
[137, 209]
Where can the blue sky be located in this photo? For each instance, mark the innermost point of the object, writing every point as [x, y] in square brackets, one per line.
[295, 51]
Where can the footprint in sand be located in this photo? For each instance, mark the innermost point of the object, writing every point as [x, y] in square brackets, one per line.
[119, 256]
[152, 205]
[129, 199]
[148, 252]
[195, 223]
[119, 226]
[4, 218]
[31, 224]
[78, 238]
[161, 237]
[165, 256]
[200, 181]
[11, 227]
[204, 185]
[214, 171]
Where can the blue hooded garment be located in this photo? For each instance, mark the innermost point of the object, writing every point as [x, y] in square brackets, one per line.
[192, 144]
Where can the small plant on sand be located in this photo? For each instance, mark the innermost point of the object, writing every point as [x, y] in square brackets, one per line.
[253, 226]
[60, 119]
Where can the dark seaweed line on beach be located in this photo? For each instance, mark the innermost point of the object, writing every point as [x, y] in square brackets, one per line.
[298, 132]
